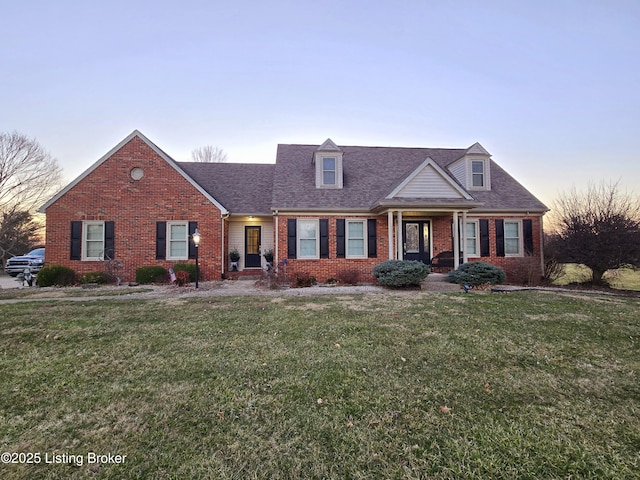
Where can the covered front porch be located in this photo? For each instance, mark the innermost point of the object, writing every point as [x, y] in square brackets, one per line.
[249, 237]
[429, 236]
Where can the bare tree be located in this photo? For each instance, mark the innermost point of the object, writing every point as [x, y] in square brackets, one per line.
[599, 228]
[28, 174]
[19, 233]
[209, 154]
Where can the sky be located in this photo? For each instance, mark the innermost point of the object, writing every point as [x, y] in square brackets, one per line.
[551, 88]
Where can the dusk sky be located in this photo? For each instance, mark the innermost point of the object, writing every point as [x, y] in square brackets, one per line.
[550, 88]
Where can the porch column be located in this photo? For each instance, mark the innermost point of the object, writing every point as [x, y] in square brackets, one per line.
[390, 233]
[465, 256]
[456, 241]
[399, 236]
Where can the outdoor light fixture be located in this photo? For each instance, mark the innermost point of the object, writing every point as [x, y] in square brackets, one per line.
[196, 241]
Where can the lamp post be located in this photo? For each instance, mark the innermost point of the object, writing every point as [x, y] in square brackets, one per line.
[196, 242]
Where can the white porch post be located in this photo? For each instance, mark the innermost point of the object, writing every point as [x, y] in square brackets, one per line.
[390, 233]
[465, 256]
[399, 236]
[456, 242]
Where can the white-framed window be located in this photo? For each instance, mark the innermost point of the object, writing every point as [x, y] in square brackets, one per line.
[472, 239]
[329, 171]
[308, 238]
[512, 238]
[356, 234]
[477, 174]
[177, 240]
[93, 240]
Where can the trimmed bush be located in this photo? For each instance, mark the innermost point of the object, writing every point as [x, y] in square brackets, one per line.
[190, 268]
[302, 279]
[348, 277]
[151, 274]
[477, 273]
[56, 275]
[400, 273]
[182, 278]
[100, 278]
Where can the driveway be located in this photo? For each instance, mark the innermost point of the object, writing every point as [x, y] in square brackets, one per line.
[8, 282]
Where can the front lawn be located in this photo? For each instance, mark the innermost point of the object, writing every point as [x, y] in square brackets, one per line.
[404, 385]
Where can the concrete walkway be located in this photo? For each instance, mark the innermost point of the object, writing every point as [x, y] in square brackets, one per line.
[437, 282]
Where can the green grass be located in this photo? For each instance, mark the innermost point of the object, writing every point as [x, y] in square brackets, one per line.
[539, 385]
[623, 278]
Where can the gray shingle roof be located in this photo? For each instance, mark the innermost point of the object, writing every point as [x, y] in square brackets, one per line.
[370, 174]
[507, 194]
[243, 188]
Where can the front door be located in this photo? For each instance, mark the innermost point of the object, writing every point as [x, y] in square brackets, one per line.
[252, 247]
[417, 242]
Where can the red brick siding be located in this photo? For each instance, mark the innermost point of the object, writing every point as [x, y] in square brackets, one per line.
[325, 268]
[518, 269]
[441, 234]
[108, 193]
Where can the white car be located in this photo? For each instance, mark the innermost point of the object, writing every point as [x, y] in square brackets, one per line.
[34, 261]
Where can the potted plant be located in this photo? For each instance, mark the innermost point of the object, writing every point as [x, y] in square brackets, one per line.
[234, 257]
[268, 256]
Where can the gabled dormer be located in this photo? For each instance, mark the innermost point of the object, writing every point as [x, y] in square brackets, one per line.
[328, 161]
[473, 170]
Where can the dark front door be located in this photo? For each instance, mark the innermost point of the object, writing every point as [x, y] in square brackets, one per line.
[252, 247]
[416, 238]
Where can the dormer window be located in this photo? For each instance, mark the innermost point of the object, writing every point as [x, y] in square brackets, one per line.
[328, 161]
[473, 170]
[477, 173]
[328, 171]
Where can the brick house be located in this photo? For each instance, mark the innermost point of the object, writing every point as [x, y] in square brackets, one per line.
[322, 209]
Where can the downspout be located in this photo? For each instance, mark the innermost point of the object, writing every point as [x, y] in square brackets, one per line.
[276, 250]
[223, 256]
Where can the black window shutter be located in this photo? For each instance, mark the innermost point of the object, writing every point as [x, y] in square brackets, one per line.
[372, 246]
[500, 238]
[161, 240]
[527, 227]
[291, 238]
[109, 240]
[76, 241]
[340, 238]
[484, 238]
[324, 238]
[192, 246]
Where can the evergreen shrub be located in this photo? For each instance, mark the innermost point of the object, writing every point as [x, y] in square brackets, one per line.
[95, 277]
[400, 273]
[151, 274]
[477, 273]
[56, 275]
